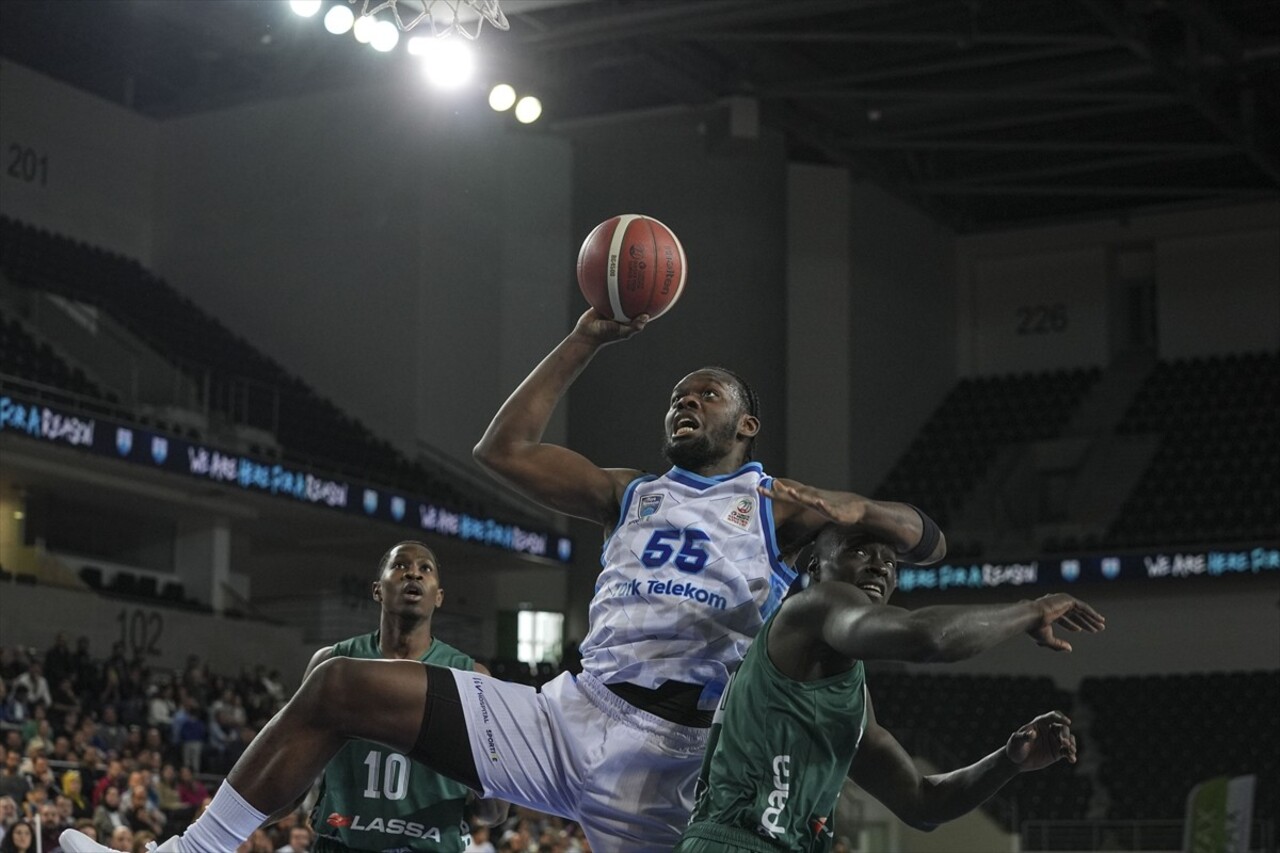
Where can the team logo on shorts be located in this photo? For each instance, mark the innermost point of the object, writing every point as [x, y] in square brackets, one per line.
[740, 514]
[649, 505]
[124, 440]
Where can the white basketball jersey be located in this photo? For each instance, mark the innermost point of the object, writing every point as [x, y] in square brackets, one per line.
[690, 574]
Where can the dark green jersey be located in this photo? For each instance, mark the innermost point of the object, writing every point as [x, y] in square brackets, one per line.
[374, 799]
[778, 755]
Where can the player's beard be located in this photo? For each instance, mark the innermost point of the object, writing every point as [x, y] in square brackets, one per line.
[701, 451]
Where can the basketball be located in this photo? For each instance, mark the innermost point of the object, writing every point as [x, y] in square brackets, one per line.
[631, 265]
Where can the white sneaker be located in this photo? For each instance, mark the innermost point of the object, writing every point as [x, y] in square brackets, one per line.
[75, 841]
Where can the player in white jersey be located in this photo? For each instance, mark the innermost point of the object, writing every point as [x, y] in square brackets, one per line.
[691, 570]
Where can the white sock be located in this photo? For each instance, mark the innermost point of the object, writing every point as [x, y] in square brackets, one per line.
[227, 822]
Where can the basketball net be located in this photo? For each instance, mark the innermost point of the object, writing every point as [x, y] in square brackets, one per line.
[440, 15]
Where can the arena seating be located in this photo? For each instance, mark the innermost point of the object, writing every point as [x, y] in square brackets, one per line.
[1215, 477]
[144, 589]
[1159, 735]
[311, 430]
[1216, 474]
[978, 418]
[26, 359]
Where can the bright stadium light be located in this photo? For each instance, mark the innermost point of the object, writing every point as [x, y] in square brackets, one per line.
[502, 97]
[305, 8]
[418, 45]
[339, 19]
[364, 27]
[528, 109]
[448, 63]
[385, 36]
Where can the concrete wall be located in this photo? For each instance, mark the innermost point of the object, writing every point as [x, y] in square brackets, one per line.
[1215, 272]
[1219, 293]
[403, 257]
[902, 328]
[95, 185]
[819, 346]
[1042, 311]
[33, 615]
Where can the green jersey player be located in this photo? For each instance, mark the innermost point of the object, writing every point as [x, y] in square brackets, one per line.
[373, 798]
[797, 717]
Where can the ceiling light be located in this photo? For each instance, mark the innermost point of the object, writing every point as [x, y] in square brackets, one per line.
[364, 27]
[448, 63]
[502, 97]
[528, 109]
[385, 36]
[339, 19]
[305, 8]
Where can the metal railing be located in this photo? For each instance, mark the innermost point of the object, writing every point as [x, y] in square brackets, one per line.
[221, 405]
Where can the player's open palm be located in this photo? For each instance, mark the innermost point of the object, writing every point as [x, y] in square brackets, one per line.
[601, 330]
[1045, 740]
[1068, 612]
[792, 492]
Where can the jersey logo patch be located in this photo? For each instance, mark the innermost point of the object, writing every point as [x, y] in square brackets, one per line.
[338, 820]
[649, 505]
[771, 824]
[740, 513]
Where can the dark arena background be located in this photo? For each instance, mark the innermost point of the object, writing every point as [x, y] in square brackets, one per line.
[262, 288]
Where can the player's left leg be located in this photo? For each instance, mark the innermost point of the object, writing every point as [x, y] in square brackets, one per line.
[377, 700]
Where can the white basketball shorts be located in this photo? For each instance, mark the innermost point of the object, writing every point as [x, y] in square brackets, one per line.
[577, 750]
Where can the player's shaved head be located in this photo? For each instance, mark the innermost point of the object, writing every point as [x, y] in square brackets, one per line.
[386, 558]
[835, 539]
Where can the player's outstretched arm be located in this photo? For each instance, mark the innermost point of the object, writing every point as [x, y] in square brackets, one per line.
[800, 511]
[844, 619]
[884, 770]
[512, 449]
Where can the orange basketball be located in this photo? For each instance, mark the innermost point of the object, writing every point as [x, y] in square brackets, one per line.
[631, 265]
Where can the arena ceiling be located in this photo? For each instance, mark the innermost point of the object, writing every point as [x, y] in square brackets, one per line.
[982, 112]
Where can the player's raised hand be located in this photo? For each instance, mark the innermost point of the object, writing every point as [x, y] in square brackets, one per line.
[600, 330]
[1045, 740]
[837, 507]
[1067, 611]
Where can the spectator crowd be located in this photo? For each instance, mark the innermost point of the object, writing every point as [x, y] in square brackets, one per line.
[120, 749]
[131, 753]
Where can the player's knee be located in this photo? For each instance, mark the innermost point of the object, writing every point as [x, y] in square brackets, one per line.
[329, 687]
